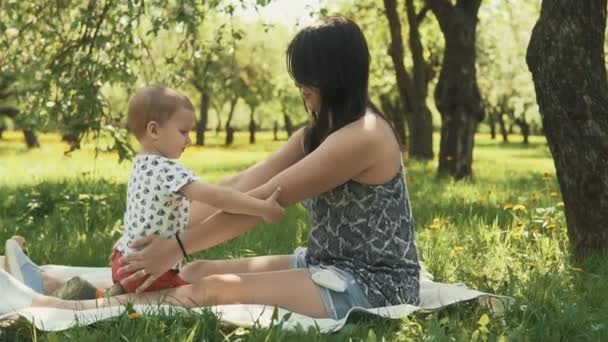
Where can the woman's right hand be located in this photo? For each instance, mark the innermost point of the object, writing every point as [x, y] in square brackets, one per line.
[155, 255]
[274, 209]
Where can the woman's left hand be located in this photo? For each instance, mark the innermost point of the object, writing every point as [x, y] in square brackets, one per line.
[155, 256]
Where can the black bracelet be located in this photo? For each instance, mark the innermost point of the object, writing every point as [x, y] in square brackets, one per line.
[181, 246]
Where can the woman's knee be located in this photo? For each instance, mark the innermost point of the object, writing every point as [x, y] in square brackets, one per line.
[218, 289]
[196, 270]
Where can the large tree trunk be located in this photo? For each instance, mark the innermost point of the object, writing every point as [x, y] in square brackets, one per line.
[411, 92]
[31, 140]
[404, 82]
[421, 130]
[457, 94]
[566, 58]
[201, 126]
[252, 126]
[229, 129]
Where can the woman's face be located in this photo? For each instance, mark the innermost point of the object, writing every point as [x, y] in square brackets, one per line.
[312, 97]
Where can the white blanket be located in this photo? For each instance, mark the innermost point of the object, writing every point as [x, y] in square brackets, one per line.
[433, 296]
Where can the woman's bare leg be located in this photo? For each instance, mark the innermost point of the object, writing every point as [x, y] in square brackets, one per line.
[289, 289]
[199, 269]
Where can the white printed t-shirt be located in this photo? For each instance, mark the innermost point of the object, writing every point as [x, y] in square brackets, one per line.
[154, 205]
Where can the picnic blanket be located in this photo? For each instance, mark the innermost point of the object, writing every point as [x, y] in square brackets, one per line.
[433, 296]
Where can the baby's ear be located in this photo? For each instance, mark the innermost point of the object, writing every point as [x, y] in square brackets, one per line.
[152, 129]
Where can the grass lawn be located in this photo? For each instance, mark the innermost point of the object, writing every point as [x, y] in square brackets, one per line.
[502, 232]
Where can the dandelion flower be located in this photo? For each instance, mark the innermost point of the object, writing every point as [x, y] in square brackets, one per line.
[134, 315]
[519, 207]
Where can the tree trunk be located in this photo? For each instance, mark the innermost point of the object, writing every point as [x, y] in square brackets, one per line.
[492, 123]
[201, 126]
[218, 128]
[411, 92]
[31, 140]
[566, 59]
[421, 130]
[404, 82]
[288, 124]
[252, 126]
[393, 110]
[503, 128]
[275, 130]
[229, 129]
[457, 94]
[525, 129]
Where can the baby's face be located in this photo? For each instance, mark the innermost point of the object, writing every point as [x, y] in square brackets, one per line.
[173, 135]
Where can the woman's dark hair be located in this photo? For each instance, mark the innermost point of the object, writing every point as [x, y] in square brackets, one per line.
[333, 57]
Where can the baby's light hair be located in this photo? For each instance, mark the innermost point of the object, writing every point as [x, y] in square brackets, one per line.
[154, 103]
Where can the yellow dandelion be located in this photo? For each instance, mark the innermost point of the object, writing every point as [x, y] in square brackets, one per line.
[436, 224]
[519, 207]
[508, 206]
[554, 194]
[560, 204]
[550, 226]
[134, 315]
[517, 234]
[458, 249]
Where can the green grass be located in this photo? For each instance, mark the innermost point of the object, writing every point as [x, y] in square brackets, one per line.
[502, 232]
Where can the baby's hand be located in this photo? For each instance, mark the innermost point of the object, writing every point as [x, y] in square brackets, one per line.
[274, 210]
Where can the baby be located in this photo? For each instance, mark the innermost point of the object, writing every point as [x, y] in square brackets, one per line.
[160, 190]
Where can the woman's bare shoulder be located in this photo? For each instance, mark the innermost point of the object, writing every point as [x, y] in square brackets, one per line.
[371, 127]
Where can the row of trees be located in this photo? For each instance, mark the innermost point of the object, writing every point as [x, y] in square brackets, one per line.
[225, 62]
[63, 64]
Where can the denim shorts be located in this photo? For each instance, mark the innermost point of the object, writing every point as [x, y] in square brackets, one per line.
[337, 304]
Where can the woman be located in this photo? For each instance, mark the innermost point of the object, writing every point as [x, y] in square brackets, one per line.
[345, 167]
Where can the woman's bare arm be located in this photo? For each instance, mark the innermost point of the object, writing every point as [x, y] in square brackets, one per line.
[341, 157]
[255, 175]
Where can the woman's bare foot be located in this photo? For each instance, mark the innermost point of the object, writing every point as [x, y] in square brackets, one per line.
[21, 241]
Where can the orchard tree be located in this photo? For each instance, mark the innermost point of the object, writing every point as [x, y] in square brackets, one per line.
[566, 59]
[457, 95]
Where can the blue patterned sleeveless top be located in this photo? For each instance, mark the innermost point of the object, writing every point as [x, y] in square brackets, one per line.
[368, 231]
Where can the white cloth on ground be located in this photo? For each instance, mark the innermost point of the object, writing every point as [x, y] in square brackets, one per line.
[433, 296]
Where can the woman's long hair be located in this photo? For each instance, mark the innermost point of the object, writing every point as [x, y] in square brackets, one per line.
[332, 56]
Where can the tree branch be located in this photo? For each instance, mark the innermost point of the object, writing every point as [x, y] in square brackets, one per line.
[442, 10]
[9, 111]
[422, 14]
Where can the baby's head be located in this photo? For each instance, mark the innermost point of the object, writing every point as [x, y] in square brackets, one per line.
[161, 119]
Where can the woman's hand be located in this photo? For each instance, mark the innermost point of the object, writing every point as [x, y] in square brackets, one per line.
[155, 256]
[275, 210]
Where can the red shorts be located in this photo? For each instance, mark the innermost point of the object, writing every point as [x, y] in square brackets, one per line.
[168, 280]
